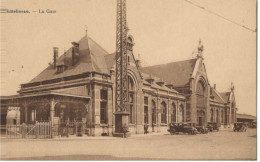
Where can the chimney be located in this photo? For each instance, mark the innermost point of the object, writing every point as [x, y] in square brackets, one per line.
[215, 86]
[75, 52]
[55, 56]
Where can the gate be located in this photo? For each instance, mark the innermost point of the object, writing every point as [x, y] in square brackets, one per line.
[38, 130]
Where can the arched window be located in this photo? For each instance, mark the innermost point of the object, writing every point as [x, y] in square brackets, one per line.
[217, 116]
[222, 116]
[173, 113]
[211, 115]
[200, 95]
[182, 113]
[163, 113]
[153, 112]
[131, 99]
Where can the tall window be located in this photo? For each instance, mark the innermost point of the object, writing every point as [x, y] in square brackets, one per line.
[103, 106]
[217, 116]
[182, 113]
[211, 115]
[146, 110]
[153, 112]
[222, 116]
[233, 112]
[200, 94]
[131, 99]
[163, 113]
[173, 113]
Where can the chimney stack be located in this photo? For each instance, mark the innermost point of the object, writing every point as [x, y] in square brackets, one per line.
[75, 51]
[55, 56]
[215, 86]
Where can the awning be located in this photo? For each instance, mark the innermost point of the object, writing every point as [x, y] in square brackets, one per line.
[78, 92]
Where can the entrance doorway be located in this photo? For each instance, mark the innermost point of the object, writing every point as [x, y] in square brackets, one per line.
[201, 118]
[72, 119]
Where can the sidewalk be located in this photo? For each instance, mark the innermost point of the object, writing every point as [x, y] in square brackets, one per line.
[73, 137]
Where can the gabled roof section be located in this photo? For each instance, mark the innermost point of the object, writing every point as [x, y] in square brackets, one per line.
[225, 96]
[91, 59]
[217, 96]
[178, 73]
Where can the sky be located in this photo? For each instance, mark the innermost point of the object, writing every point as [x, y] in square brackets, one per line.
[164, 31]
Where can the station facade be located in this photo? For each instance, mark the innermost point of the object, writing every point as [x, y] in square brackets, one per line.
[80, 85]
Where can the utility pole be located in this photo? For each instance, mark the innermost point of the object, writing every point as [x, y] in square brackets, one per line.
[122, 111]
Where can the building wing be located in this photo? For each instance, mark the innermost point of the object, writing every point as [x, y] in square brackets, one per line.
[91, 59]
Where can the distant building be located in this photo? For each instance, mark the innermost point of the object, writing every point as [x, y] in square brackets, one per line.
[80, 86]
[246, 118]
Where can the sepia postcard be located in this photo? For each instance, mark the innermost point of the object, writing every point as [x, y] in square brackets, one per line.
[128, 80]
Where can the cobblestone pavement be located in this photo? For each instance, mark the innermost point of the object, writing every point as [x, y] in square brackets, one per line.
[224, 144]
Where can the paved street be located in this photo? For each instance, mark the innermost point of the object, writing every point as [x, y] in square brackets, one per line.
[217, 145]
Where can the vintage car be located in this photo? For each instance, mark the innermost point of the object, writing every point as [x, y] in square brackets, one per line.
[239, 127]
[176, 128]
[213, 126]
[202, 129]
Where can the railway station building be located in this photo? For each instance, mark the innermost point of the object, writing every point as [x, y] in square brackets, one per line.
[79, 85]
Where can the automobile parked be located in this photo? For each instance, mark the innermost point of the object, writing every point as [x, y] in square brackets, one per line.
[177, 128]
[213, 126]
[239, 127]
[202, 129]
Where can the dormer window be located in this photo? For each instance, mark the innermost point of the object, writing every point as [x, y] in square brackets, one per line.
[61, 68]
[150, 79]
[160, 82]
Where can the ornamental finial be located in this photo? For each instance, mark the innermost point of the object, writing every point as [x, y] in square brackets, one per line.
[200, 49]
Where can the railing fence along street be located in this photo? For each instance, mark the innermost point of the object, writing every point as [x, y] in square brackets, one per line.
[38, 130]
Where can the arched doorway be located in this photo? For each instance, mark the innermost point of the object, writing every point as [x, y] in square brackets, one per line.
[201, 103]
[201, 117]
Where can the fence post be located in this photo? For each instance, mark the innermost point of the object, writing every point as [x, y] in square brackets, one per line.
[36, 132]
[23, 130]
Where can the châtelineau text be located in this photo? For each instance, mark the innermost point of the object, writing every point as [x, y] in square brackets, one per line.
[14, 11]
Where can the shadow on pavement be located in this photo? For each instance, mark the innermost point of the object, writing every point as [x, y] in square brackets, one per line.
[81, 157]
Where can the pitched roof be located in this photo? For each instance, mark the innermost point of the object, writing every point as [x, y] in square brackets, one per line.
[217, 96]
[178, 73]
[110, 60]
[91, 59]
[225, 96]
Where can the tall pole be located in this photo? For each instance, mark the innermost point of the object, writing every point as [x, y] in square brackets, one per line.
[121, 112]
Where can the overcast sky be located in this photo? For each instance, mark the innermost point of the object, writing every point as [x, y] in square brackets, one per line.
[164, 31]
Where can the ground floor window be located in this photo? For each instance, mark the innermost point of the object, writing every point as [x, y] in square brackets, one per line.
[173, 113]
[163, 113]
[146, 110]
[103, 112]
